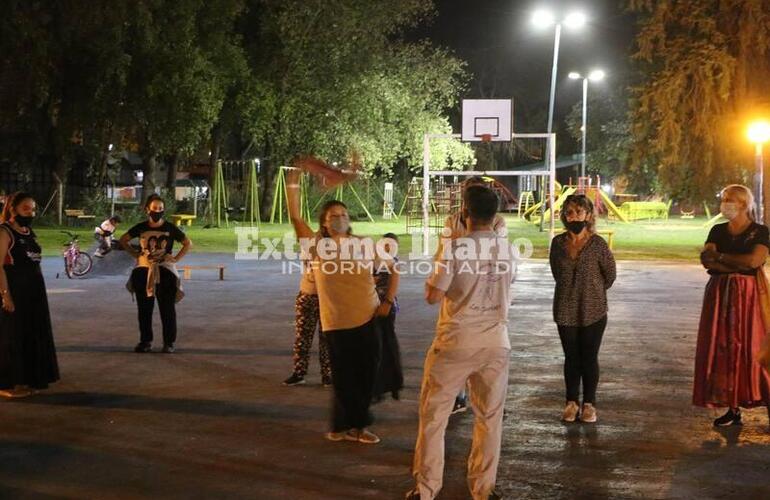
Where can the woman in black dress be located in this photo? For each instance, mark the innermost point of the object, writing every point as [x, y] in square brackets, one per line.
[27, 352]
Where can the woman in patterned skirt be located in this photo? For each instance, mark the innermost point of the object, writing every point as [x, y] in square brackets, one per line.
[27, 352]
[731, 327]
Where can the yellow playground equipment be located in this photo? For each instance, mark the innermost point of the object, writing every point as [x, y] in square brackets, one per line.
[585, 186]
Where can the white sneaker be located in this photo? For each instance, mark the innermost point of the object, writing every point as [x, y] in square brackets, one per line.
[15, 393]
[336, 436]
[588, 414]
[570, 412]
[367, 437]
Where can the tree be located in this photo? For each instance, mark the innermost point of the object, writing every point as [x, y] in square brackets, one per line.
[706, 71]
[334, 76]
[63, 67]
[609, 138]
[184, 54]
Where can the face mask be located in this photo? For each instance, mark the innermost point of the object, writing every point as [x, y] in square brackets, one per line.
[24, 220]
[156, 216]
[729, 210]
[576, 226]
[340, 225]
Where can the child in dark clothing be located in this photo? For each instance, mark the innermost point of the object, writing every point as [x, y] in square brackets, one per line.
[391, 377]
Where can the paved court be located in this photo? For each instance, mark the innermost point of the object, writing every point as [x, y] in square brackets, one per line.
[213, 421]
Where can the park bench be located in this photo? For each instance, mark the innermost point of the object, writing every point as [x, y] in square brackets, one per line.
[78, 216]
[185, 219]
[609, 235]
[187, 271]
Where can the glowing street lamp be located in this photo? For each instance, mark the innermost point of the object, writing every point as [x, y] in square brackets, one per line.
[759, 133]
[543, 18]
[595, 76]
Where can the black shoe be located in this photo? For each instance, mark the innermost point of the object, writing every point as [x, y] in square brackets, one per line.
[413, 495]
[493, 495]
[461, 405]
[325, 381]
[729, 418]
[294, 380]
[168, 348]
[143, 347]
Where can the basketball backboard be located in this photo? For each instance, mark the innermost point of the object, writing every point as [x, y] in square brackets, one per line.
[492, 117]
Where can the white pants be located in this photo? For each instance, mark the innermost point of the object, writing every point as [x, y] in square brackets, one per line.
[445, 373]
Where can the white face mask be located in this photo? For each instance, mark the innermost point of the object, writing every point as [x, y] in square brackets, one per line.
[729, 210]
[340, 224]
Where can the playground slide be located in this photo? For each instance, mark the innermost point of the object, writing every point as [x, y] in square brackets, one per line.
[611, 206]
[557, 203]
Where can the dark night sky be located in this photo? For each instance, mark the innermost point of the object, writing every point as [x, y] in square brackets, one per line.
[508, 57]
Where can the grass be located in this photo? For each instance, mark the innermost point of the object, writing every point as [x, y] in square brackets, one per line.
[672, 240]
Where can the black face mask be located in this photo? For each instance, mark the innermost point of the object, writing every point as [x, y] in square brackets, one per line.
[156, 216]
[24, 220]
[576, 226]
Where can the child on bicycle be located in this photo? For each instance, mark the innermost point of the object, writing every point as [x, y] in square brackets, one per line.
[103, 235]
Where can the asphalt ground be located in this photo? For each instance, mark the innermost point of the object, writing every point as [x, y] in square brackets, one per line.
[214, 421]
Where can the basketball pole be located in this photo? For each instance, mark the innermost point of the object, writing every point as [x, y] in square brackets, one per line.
[550, 173]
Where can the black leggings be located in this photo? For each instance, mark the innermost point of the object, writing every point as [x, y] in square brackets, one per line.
[581, 350]
[355, 357]
[165, 292]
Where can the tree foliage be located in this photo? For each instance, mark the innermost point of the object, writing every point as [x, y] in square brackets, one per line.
[707, 71]
[609, 139]
[239, 78]
[331, 76]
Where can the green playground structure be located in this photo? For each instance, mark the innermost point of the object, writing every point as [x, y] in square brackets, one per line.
[637, 210]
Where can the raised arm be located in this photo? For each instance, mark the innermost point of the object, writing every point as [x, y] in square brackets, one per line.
[301, 227]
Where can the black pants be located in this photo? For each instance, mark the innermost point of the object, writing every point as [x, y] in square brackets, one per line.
[101, 244]
[581, 351]
[166, 295]
[390, 376]
[355, 357]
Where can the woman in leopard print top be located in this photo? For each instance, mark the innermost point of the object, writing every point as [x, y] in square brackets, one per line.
[583, 268]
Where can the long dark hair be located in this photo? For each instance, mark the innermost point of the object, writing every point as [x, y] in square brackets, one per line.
[11, 202]
[322, 216]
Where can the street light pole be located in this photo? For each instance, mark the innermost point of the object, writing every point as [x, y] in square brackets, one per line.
[585, 129]
[595, 75]
[554, 69]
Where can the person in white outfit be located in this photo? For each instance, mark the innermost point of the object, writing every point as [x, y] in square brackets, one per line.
[471, 279]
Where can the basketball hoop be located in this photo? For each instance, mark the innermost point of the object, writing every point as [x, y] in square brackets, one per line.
[486, 137]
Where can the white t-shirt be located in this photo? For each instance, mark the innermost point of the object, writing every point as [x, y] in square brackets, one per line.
[106, 228]
[457, 225]
[346, 294]
[474, 311]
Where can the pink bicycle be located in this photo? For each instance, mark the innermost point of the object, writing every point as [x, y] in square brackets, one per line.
[76, 263]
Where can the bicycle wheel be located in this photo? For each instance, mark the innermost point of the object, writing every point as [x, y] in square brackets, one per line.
[81, 264]
[67, 267]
